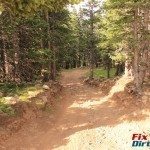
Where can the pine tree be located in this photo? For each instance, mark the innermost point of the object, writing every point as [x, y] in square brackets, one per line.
[131, 28]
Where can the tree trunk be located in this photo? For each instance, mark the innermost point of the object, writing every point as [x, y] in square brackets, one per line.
[49, 44]
[146, 55]
[119, 68]
[108, 65]
[108, 71]
[128, 69]
[136, 71]
[5, 57]
[91, 72]
[136, 59]
[16, 49]
[91, 41]
[141, 48]
[143, 65]
[53, 64]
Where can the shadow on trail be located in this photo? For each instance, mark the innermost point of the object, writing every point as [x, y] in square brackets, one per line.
[90, 113]
[83, 108]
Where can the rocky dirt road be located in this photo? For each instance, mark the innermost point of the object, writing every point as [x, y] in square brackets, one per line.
[84, 119]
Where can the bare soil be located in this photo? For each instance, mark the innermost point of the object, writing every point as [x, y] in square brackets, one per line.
[85, 118]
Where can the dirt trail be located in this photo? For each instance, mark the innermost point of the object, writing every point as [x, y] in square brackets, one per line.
[84, 119]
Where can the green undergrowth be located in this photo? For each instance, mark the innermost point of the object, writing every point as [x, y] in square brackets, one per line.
[6, 109]
[102, 73]
[12, 92]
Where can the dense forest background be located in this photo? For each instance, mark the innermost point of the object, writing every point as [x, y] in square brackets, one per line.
[39, 38]
[74, 74]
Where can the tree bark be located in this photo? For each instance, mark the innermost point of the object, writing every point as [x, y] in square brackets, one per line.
[5, 57]
[16, 49]
[91, 41]
[53, 64]
[108, 65]
[145, 48]
[141, 47]
[128, 69]
[136, 59]
[16, 56]
[49, 44]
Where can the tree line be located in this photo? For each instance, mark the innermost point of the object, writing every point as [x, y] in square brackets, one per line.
[128, 23]
[38, 38]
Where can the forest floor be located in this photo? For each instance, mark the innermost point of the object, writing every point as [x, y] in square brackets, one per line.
[85, 118]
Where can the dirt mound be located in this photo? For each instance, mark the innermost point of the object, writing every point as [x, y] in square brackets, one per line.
[103, 84]
[128, 98]
[24, 111]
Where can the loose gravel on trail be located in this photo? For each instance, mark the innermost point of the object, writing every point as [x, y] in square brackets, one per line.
[84, 119]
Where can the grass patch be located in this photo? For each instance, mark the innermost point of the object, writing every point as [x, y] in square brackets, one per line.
[20, 92]
[6, 108]
[102, 73]
[48, 109]
[23, 91]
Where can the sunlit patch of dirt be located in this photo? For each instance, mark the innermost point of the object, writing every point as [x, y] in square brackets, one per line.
[26, 111]
[86, 117]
